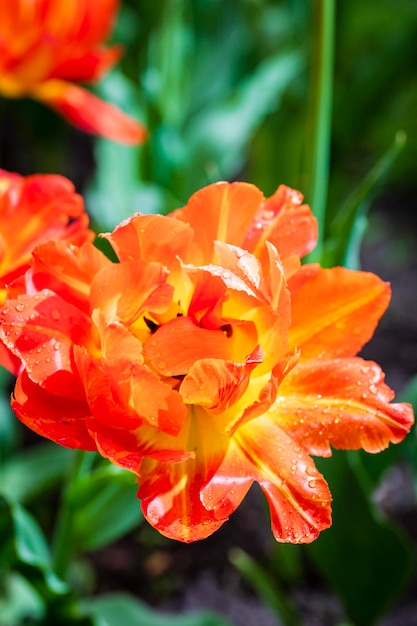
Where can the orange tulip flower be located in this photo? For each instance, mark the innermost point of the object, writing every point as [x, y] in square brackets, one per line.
[33, 210]
[206, 359]
[46, 45]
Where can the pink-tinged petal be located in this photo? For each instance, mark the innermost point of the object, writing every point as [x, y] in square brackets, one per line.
[88, 113]
[177, 345]
[127, 290]
[52, 416]
[151, 238]
[222, 212]
[216, 384]
[285, 222]
[343, 403]
[123, 392]
[298, 496]
[170, 492]
[335, 312]
[41, 331]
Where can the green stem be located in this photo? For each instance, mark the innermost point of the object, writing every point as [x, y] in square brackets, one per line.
[319, 120]
[62, 544]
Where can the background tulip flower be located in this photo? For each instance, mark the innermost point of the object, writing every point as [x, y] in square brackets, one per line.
[206, 359]
[35, 209]
[48, 45]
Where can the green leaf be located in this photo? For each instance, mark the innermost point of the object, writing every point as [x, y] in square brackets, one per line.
[24, 548]
[363, 557]
[267, 587]
[30, 473]
[110, 197]
[119, 608]
[19, 601]
[104, 507]
[347, 229]
[219, 135]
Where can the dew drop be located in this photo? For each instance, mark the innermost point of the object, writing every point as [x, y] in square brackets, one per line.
[373, 389]
[20, 307]
[312, 483]
[57, 345]
[55, 314]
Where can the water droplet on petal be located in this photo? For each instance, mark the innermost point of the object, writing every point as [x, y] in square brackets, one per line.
[55, 314]
[20, 307]
[373, 389]
[57, 345]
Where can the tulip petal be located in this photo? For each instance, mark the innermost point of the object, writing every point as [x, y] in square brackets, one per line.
[66, 270]
[335, 312]
[41, 331]
[41, 207]
[289, 225]
[222, 212]
[126, 291]
[343, 403]
[151, 238]
[88, 112]
[216, 384]
[170, 492]
[175, 346]
[125, 393]
[87, 66]
[128, 448]
[52, 416]
[298, 496]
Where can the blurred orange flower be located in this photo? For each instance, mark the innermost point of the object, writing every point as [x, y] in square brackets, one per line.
[206, 359]
[35, 209]
[46, 45]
